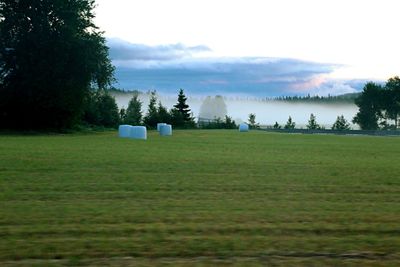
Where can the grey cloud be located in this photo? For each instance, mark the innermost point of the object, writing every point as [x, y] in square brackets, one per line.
[170, 67]
[253, 76]
[121, 50]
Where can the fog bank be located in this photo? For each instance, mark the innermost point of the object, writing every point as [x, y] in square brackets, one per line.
[267, 112]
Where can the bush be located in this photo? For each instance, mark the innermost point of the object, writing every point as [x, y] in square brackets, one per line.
[101, 110]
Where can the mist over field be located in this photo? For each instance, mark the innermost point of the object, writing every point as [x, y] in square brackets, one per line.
[267, 112]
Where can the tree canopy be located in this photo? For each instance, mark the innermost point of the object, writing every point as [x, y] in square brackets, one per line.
[51, 54]
[133, 114]
[181, 114]
[151, 117]
[341, 124]
[290, 124]
[312, 123]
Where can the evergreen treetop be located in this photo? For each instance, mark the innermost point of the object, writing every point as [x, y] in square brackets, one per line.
[312, 123]
[182, 107]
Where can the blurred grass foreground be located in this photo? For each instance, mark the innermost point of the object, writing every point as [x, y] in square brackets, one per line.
[200, 197]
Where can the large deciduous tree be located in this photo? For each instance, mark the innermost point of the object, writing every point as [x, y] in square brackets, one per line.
[370, 105]
[391, 99]
[51, 54]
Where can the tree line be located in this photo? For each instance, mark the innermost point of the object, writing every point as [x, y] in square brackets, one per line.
[379, 105]
[55, 72]
[346, 98]
[101, 110]
[179, 116]
[340, 124]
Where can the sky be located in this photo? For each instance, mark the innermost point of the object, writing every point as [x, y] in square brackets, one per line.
[251, 47]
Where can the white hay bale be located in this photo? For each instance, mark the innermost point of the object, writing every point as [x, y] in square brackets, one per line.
[138, 132]
[165, 130]
[159, 125]
[124, 130]
[243, 127]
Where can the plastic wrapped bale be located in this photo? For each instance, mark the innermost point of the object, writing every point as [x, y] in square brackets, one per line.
[124, 130]
[138, 132]
[243, 127]
[165, 130]
[159, 125]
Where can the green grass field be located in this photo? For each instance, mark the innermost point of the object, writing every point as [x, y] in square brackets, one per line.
[202, 198]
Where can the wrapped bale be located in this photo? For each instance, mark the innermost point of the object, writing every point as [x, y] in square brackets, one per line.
[124, 131]
[165, 130]
[159, 125]
[243, 127]
[138, 132]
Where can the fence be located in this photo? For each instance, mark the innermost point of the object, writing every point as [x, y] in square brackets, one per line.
[338, 132]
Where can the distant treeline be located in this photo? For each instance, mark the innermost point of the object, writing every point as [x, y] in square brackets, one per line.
[346, 98]
[114, 90]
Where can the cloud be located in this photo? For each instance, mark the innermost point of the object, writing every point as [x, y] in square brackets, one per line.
[167, 68]
[121, 50]
[332, 88]
[323, 86]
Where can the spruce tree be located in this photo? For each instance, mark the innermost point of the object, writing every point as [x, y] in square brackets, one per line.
[277, 126]
[163, 114]
[133, 115]
[290, 124]
[122, 115]
[252, 121]
[341, 124]
[151, 118]
[312, 123]
[181, 114]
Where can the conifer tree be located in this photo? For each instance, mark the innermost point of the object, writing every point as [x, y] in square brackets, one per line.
[277, 126]
[252, 121]
[312, 123]
[151, 118]
[133, 114]
[341, 124]
[290, 124]
[163, 114]
[181, 115]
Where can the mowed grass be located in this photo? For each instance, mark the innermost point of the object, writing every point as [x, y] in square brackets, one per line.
[201, 197]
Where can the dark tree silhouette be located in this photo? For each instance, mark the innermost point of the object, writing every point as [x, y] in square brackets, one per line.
[370, 105]
[277, 126]
[391, 100]
[133, 114]
[341, 124]
[51, 54]
[163, 114]
[100, 109]
[312, 123]
[252, 121]
[181, 114]
[290, 124]
[151, 117]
